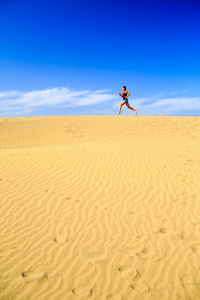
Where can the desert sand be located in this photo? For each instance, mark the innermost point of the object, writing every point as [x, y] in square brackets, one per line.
[100, 207]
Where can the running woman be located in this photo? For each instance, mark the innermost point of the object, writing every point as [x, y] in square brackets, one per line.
[125, 100]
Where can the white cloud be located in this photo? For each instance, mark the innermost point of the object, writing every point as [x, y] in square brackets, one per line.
[17, 103]
[63, 97]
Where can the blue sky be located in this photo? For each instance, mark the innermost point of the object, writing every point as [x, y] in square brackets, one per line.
[72, 57]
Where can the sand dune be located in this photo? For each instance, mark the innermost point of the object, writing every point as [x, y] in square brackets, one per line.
[100, 207]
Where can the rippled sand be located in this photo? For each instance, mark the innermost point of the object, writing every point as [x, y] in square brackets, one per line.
[100, 207]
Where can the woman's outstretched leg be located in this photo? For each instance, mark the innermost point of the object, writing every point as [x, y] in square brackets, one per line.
[127, 104]
[120, 107]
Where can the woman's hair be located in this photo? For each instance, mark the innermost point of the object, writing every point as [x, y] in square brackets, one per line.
[124, 87]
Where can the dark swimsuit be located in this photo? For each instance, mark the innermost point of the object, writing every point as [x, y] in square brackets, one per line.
[124, 95]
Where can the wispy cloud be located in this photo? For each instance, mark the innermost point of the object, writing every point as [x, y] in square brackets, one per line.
[12, 101]
[17, 103]
[55, 96]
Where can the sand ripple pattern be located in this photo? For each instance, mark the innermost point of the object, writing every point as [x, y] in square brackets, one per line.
[100, 207]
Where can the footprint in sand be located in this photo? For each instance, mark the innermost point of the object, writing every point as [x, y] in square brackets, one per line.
[196, 248]
[50, 191]
[141, 237]
[5, 179]
[140, 287]
[72, 200]
[31, 275]
[161, 219]
[59, 239]
[164, 230]
[184, 235]
[147, 254]
[173, 234]
[137, 213]
[187, 282]
[178, 200]
[144, 253]
[103, 208]
[114, 297]
[127, 270]
[82, 291]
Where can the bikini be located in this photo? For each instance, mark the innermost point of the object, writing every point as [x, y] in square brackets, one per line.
[124, 95]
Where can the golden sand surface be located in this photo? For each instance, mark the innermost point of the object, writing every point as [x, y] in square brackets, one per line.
[100, 207]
